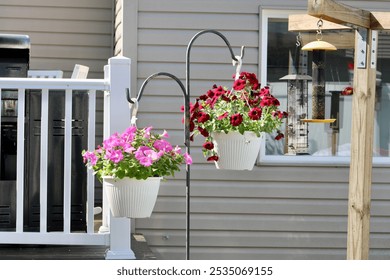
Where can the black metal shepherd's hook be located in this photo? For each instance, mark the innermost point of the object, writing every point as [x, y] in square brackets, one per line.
[187, 110]
[186, 94]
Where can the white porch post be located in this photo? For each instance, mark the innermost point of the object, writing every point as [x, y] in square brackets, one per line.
[117, 119]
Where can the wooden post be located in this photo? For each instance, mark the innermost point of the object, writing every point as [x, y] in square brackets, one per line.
[362, 131]
[363, 106]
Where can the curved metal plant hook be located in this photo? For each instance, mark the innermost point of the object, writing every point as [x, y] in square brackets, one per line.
[151, 77]
[192, 42]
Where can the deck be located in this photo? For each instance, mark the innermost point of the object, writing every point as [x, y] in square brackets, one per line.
[61, 252]
[50, 252]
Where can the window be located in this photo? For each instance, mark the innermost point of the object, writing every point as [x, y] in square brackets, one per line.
[318, 143]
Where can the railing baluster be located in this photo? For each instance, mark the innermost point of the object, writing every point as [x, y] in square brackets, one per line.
[91, 146]
[67, 160]
[44, 154]
[20, 161]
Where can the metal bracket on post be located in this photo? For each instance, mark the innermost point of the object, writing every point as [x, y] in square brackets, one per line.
[361, 52]
[374, 48]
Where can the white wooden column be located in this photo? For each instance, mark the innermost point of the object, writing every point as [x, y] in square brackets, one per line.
[117, 119]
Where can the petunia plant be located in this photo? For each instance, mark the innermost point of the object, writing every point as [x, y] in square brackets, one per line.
[244, 107]
[136, 153]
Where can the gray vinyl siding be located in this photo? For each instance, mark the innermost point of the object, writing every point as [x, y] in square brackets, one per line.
[62, 33]
[271, 212]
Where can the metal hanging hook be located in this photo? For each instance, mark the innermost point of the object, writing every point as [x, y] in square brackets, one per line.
[320, 23]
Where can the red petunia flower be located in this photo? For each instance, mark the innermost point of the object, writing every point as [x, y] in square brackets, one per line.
[219, 91]
[255, 114]
[251, 77]
[192, 126]
[264, 91]
[347, 91]
[266, 101]
[213, 158]
[239, 84]
[203, 97]
[279, 136]
[236, 119]
[203, 117]
[210, 93]
[203, 131]
[208, 145]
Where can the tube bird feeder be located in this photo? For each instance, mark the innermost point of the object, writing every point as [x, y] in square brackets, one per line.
[318, 48]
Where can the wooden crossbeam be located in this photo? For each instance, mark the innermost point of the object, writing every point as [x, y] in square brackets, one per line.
[339, 13]
[380, 21]
[302, 23]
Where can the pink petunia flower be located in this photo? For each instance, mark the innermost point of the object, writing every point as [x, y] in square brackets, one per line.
[187, 158]
[162, 145]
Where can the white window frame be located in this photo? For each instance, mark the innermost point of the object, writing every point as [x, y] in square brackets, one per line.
[288, 160]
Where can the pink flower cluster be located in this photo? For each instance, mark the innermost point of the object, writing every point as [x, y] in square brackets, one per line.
[118, 146]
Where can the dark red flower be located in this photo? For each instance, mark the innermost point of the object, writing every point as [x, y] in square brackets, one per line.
[219, 91]
[192, 126]
[255, 114]
[203, 131]
[213, 158]
[275, 101]
[203, 97]
[208, 145]
[347, 91]
[269, 100]
[236, 119]
[264, 91]
[210, 93]
[225, 98]
[251, 77]
[239, 84]
[203, 117]
[266, 101]
[279, 136]
[280, 114]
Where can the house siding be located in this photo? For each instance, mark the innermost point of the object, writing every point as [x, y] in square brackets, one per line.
[62, 33]
[271, 212]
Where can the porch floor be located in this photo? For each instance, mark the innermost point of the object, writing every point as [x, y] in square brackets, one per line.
[77, 252]
[60, 252]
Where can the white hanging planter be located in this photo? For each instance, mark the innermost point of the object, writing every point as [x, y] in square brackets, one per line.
[130, 197]
[236, 151]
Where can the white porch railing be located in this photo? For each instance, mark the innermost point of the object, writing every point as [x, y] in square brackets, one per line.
[114, 233]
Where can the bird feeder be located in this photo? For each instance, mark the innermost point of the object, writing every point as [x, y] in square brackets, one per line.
[297, 99]
[318, 47]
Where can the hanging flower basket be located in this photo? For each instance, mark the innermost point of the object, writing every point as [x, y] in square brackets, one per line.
[131, 198]
[245, 111]
[236, 151]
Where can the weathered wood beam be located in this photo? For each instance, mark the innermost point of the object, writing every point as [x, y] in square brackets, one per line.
[302, 22]
[380, 20]
[362, 131]
[339, 13]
